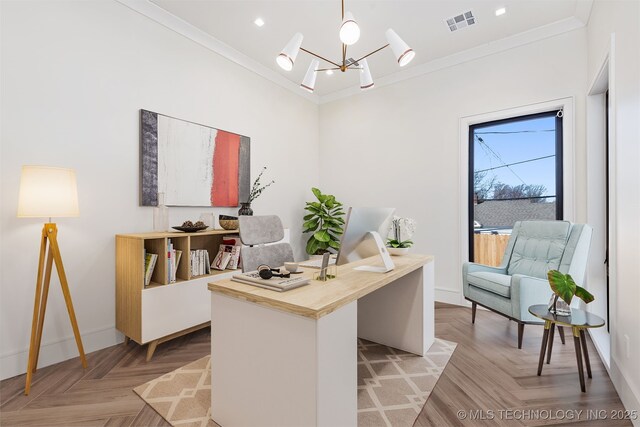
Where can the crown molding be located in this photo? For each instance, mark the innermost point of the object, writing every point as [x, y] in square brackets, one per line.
[172, 22]
[583, 10]
[507, 43]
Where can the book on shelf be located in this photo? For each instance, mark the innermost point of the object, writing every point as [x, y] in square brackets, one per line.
[178, 256]
[234, 251]
[234, 241]
[199, 262]
[149, 265]
[275, 283]
[171, 264]
[221, 260]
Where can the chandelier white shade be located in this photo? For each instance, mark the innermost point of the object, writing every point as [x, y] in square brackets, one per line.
[366, 81]
[349, 30]
[403, 53]
[47, 192]
[309, 82]
[287, 57]
[349, 34]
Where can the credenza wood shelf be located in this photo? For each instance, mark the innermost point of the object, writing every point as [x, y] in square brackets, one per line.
[163, 311]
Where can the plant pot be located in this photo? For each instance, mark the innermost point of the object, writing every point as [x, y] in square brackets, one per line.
[559, 307]
[398, 251]
[245, 209]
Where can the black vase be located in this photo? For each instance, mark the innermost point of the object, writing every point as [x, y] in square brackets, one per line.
[245, 209]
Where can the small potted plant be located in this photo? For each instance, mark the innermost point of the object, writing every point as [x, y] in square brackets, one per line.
[325, 221]
[564, 289]
[256, 190]
[400, 228]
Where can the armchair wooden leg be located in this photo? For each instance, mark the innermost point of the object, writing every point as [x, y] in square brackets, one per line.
[561, 331]
[474, 306]
[520, 333]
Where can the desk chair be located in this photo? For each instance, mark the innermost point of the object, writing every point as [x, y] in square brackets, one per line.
[534, 248]
[256, 232]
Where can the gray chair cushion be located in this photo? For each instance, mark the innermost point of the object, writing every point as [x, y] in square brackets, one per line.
[272, 255]
[538, 248]
[257, 230]
[499, 284]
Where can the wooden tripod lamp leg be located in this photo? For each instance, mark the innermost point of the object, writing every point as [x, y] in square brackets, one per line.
[52, 234]
[43, 306]
[36, 310]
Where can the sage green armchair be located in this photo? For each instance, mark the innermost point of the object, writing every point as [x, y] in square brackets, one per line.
[534, 248]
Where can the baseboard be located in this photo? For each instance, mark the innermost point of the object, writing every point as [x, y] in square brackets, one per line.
[15, 363]
[629, 396]
[602, 342]
[448, 296]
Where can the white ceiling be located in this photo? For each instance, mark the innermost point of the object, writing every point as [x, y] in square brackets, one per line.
[419, 23]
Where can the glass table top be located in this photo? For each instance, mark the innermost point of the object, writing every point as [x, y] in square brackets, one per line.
[578, 318]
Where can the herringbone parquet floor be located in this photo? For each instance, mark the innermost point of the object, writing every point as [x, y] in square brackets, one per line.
[487, 372]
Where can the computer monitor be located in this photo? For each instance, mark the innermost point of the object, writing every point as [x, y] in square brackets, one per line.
[364, 236]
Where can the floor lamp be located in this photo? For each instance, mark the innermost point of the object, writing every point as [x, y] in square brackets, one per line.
[47, 192]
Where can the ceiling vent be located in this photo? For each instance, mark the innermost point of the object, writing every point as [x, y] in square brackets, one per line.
[351, 61]
[460, 21]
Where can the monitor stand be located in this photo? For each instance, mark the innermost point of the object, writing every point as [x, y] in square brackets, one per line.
[384, 254]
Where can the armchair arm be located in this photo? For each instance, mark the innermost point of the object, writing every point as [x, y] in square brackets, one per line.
[525, 292]
[472, 267]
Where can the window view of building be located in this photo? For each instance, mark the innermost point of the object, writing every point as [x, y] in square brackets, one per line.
[515, 175]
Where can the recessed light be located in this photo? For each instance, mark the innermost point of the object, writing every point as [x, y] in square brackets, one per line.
[259, 22]
[501, 11]
[329, 72]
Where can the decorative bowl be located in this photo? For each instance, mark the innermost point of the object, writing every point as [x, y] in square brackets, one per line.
[229, 224]
[398, 251]
[190, 229]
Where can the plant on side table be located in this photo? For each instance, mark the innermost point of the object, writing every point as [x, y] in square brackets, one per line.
[325, 221]
[400, 227]
[564, 289]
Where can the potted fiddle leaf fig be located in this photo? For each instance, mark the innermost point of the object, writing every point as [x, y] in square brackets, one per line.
[325, 221]
[564, 289]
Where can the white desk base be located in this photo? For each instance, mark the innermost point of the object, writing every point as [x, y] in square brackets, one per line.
[273, 368]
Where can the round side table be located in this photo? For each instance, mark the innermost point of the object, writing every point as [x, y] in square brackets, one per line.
[579, 320]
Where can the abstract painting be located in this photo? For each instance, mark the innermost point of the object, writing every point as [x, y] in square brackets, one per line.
[191, 164]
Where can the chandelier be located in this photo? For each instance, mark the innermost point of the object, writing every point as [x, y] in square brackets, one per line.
[349, 35]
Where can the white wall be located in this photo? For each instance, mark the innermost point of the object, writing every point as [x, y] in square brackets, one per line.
[74, 76]
[400, 142]
[621, 18]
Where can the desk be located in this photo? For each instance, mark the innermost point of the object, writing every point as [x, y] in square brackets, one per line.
[290, 358]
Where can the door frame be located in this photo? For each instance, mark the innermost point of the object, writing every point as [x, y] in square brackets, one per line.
[603, 80]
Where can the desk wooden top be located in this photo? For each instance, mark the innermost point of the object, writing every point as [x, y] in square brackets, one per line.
[318, 299]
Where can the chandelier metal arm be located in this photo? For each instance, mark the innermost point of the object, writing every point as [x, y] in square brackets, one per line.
[369, 54]
[327, 69]
[318, 56]
[344, 56]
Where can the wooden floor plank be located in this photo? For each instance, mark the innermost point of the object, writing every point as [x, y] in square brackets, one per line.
[487, 372]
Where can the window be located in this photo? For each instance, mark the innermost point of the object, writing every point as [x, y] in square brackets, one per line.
[515, 174]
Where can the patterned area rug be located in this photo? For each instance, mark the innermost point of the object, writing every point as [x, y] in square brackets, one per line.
[393, 386]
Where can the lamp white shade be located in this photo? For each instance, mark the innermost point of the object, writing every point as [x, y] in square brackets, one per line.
[349, 30]
[366, 81]
[47, 192]
[403, 53]
[287, 57]
[309, 82]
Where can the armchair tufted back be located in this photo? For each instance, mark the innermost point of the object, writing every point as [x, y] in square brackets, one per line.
[537, 247]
